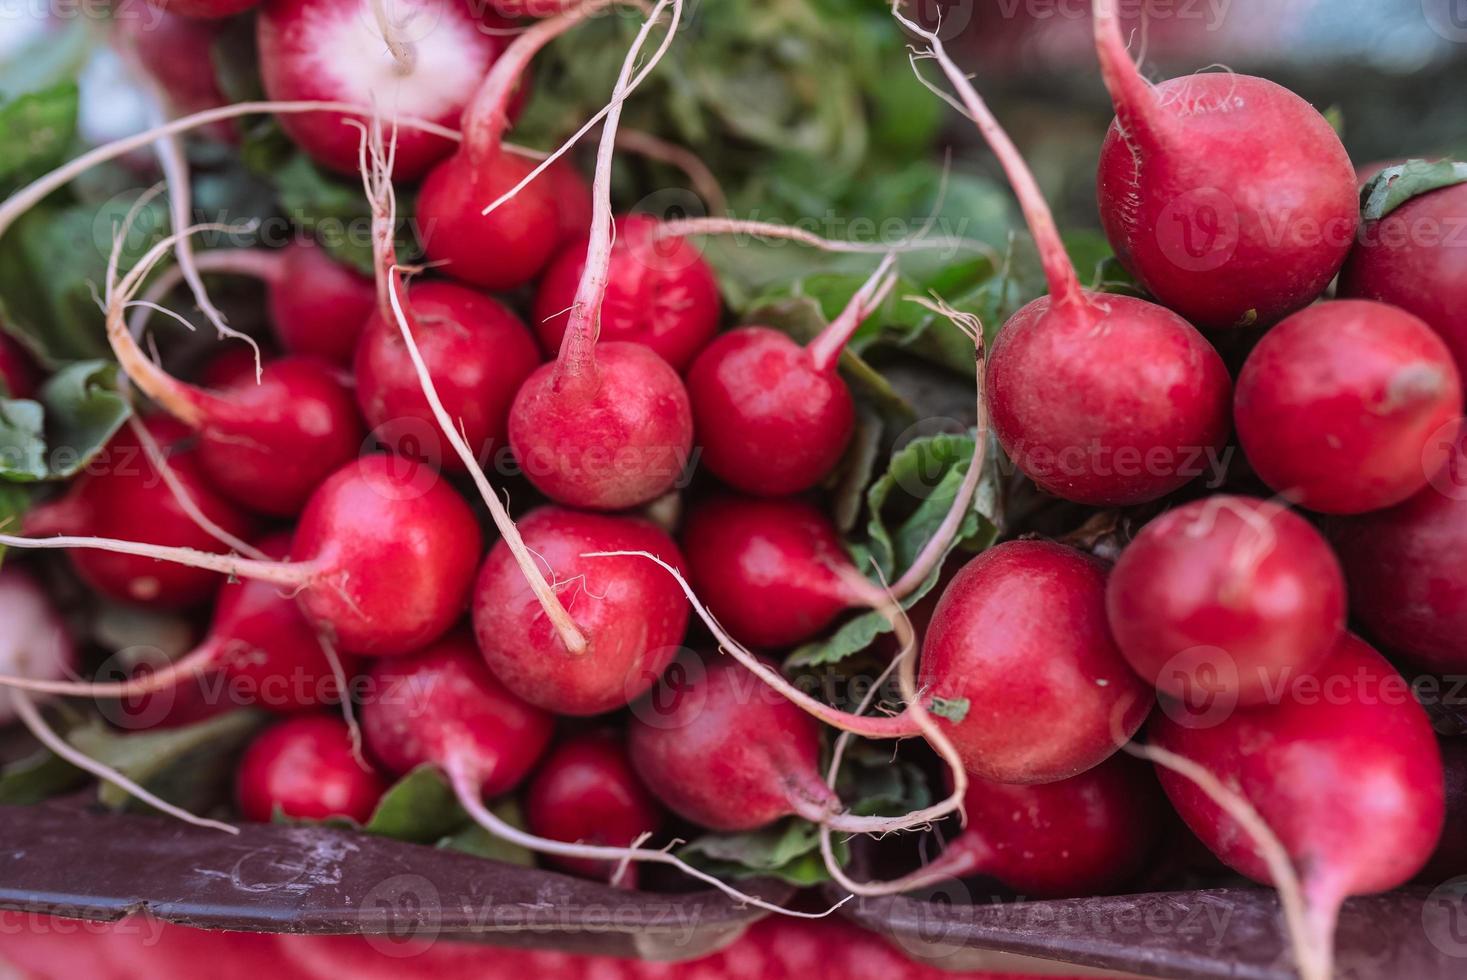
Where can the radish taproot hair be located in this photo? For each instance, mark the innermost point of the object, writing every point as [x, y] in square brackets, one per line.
[383, 556]
[306, 769]
[1230, 198]
[508, 248]
[35, 644]
[122, 495]
[585, 790]
[1338, 406]
[1349, 782]
[773, 416]
[18, 371]
[1227, 598]
[1408, 580]
[632, 615]
[1098, 398]
[607, 426]
[1405, 260]
[1091, 834]
[418, 58]
[259, 641]
[443, 707]
[477, 352]
[659, 292]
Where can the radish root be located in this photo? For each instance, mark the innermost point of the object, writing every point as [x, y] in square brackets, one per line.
[825, 349]
[285, 574]
[688, 227]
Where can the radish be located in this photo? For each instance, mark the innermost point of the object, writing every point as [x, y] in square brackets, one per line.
[443, 707]
[508, 248]
[187, 84]
[259, 641]
[227, 368]
[121, 495]
[477, 352]
[383, 556]
[417, 58]
[1091, 834]
[1338, 405]
[317, 305]
[572, 196]
[266, 445]
[659, 291]
[17, 370]
[1408, 582]
[35, 643]
[1345, 770]
[774, 417]
[530, 8]
[1226, 598]
[204, 8]
[585, 790]
[1412, 258]
[607, 426]
[1101, 399]
[632, 614]
[305, 768]
[1229, 197]
[775, 571]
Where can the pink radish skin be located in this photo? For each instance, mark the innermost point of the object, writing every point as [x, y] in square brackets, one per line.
[334, 50]
[35, 643]
[17, 370]
[1091, 834]
[477, 352]
[660, 292]
[1408, 580]
[229, 368]
[1229, 197]
[187, 85]
[769, 568]
[613, 438]
[572, 196]
[122, 496]
[586, 790]
[304, 768]
[443, 707]
[1229, 597]
[1346, 773]
[725, 752]
[1407, 259]
[318, 305]
[1337, 406]
[1098, 398]
[631, 613]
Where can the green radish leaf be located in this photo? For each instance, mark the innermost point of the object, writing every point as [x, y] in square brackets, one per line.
[878, 782]
[38, 777]
[953, 709]
[22, 440]
[419, 807]
[14, 502]
[52, 439]
[788, 849]
[190, 766]
[1394, 186]
[38, 128]
[477, 841]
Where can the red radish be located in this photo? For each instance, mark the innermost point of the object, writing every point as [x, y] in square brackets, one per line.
[585, 790]
[417, 58]
[305, 768]
[17, 370]
[606, 426]
[476, 350]
[508, 248]
[1408, 582]
[1091, 834]
[227, 368]
[631, 613]
[443, 707]
[318, 305]
[768, 567]
[207, 9]
[1100, 399]
[1413, 259]
[572, 196]
[259, 641]
[187, 84]
[1345, 771]
[120, 495]
[659, 291]
[1337, 406]
[530, 8]
[1227, 597]
[383, 556]
[35, 643]
[774, 417]
[1229, 197]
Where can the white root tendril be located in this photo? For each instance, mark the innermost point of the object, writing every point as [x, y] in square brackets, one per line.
[688, 227]
[48, 737]
[466, 788]
[284, 574]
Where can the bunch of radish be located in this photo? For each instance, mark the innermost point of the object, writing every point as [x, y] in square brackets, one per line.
[328, 502]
